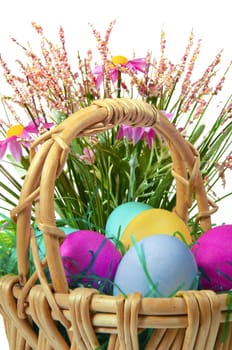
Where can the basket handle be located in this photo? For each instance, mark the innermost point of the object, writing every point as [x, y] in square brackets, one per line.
[49, 160]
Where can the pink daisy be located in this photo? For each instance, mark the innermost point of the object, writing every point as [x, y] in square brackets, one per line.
[136, 65]
[18, 136]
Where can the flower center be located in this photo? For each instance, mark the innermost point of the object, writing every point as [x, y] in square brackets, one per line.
[15, 130]
[119, 60]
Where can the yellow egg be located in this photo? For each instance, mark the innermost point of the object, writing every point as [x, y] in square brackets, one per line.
[155, 221]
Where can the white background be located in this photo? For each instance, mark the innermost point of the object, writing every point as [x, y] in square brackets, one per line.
[137, 28]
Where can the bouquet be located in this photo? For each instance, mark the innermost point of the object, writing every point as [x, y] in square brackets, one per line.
[119, 165]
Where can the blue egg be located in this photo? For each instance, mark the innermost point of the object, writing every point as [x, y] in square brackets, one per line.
[156, 266]
[121, 216]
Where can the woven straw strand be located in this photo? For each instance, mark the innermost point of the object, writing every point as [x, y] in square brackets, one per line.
[83, 332]
[8, 303]
[203, 319]
[131, 112]
[41, 314]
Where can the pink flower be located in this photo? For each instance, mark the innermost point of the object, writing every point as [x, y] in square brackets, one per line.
[88, 156]
[38, 126]
[11, 142]
[18, 136]
[136, 65]
[136, 133]
[14, 148]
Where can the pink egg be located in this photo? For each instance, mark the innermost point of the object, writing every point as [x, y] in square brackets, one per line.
[213, 253]
[90, 259]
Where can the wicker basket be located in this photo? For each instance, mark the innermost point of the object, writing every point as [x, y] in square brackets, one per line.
[35, 312]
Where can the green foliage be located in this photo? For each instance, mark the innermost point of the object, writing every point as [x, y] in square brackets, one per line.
[8, 260]
[87, 193]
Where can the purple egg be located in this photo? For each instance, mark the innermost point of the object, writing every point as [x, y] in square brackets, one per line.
[90, 259]
[213, 253]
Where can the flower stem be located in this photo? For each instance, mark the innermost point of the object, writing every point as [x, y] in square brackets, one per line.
[119, 81]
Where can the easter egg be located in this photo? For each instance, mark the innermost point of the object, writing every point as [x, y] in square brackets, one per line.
[121, 216]
[155, 221]
[89, 259]
[157, 266]
[213, 254]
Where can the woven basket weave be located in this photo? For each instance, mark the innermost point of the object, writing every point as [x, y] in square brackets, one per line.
[33, 311]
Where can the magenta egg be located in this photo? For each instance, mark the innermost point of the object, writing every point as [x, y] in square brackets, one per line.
[213, 254]
[90, 259]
